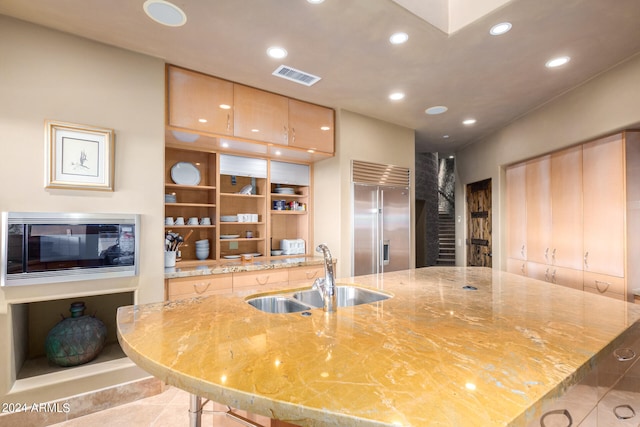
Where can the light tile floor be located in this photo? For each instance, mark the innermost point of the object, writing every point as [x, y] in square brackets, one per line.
[167, 409]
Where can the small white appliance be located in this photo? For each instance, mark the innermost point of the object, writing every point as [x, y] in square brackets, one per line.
[292, 246]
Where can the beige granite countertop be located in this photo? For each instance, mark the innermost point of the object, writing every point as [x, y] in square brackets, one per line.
[258, 264]
[435, 354]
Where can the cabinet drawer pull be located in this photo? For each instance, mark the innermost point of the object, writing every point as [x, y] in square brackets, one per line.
[624, 412]
[600, 282]
[586, 262]
[266, 280]
[624, 354]
[522, 251]
[557, 412]
[553, 256]
[201, 285]
[546, 275]
[522, 268]
[293, 135]
[546, 254]
[311, 274]
[228, 122]
[553, 277]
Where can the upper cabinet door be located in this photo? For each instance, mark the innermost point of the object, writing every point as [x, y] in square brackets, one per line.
[566, 204]
[516, 212]
[538, 193]
[311, 126]
[260, 115]
[604, 206]
[199, 102]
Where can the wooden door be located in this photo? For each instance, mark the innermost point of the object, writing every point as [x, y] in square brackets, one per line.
[310, 126]
[479, 224]
[260, 115]
[604, 206]
[566, 205]
[538, 194]
[516, 212]
[199, 102]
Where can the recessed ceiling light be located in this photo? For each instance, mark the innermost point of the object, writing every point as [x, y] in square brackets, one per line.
[255, 130]
[452, 157]
[398, 38]
[469, 122]
[225, 106]
[445, 136]
[324, 128]
[500, 28]
[278, 152]
[164, 13]
[438, 109]
[277, 52]
[557, 62]
[315, 1]
[225, 145]
[202, 120]
[396, 96]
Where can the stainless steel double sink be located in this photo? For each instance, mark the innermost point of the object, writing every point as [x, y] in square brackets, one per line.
[308, 299]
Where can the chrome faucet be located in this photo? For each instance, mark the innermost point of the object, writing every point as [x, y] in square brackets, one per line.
[327, 285]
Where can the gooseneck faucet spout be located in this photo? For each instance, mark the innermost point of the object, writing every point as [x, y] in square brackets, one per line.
[327, 285]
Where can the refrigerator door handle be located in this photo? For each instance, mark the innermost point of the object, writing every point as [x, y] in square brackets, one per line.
[385, 252]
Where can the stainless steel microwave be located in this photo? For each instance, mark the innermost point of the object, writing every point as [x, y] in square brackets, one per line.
[39, 248]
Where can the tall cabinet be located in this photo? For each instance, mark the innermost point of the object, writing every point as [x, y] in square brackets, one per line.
[571, 226]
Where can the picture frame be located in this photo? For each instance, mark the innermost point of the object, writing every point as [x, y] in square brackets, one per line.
[78, 156]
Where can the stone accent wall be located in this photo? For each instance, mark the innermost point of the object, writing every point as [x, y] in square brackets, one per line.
[427, 197]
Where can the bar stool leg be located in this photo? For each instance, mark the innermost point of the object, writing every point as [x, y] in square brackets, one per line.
[195, 411]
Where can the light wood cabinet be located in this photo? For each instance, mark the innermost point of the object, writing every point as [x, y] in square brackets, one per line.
[566, 208]
[306, 274]
[260, 280]
[199, 102]
[604, 206]
[311, 126]
[516, 212]
[538, 196]
[261, 115]
[198, 286]
[582, 216]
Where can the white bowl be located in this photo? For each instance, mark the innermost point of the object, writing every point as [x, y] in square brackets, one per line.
[276, 253]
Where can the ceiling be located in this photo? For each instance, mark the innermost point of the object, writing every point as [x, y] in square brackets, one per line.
[453, 62]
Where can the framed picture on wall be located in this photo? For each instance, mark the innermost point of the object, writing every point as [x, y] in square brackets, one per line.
[78, 156]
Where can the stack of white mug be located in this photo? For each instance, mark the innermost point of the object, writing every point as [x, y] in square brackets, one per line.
[191, 221]
[202, 249]
[247, 217]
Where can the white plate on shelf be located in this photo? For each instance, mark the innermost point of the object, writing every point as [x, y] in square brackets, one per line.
[229, 218]
[284, 190]
[231, 256]
[229, 236]
[185, 173]
[256, 254]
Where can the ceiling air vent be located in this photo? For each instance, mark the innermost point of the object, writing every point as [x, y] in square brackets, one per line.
[294, 75]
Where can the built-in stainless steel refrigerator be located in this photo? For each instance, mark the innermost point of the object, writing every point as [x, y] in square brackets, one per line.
[381, 228]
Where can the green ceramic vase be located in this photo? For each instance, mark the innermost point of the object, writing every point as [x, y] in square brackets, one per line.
[77, 339]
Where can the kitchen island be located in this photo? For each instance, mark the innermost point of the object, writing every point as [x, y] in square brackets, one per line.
[453, 346]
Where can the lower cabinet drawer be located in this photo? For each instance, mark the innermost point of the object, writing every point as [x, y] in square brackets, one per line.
[602, 284]
[567, 277]
[188, 287]
[306, 273]
[259, 280]
[516, 266]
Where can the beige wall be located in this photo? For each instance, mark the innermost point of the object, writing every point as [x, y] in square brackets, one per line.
[604, 105]
[358, 138]
[46, 74]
